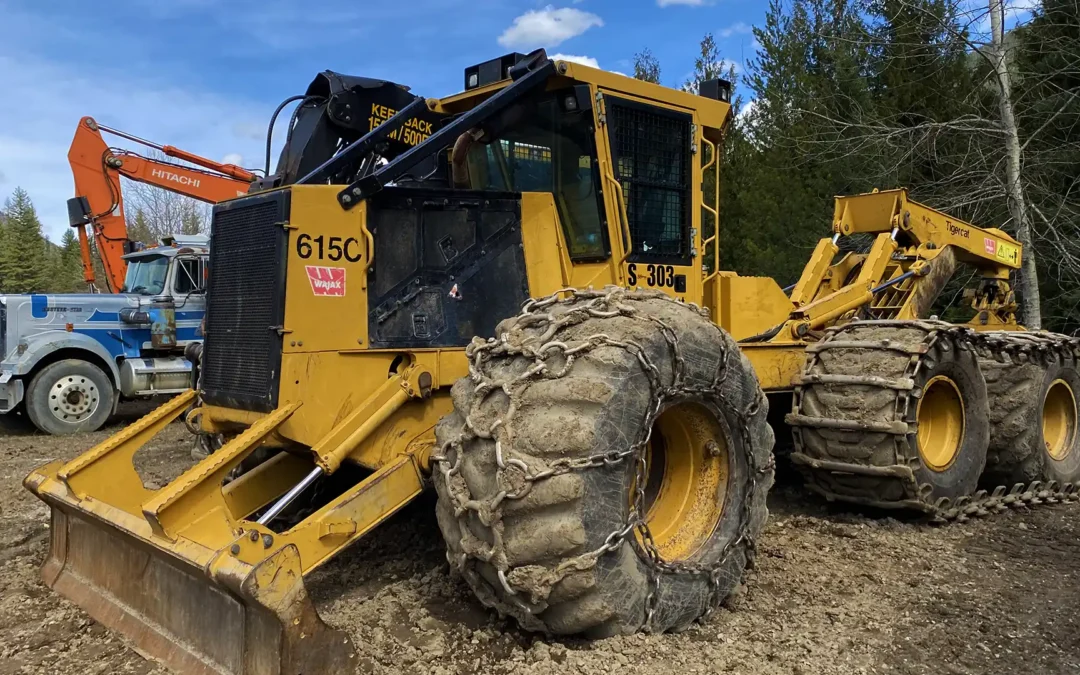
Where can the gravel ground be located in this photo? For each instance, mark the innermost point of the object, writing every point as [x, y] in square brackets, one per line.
[833, 592]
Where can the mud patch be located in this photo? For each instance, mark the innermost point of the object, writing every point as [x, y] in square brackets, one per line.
[833, 592]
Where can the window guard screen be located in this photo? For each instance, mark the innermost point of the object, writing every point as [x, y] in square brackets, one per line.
[651, 154]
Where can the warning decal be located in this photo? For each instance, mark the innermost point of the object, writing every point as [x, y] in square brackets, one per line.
[327, 280]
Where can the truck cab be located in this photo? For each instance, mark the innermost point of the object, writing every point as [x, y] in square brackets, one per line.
[67, 360]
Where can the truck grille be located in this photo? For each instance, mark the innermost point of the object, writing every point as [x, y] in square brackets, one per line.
[246, 302]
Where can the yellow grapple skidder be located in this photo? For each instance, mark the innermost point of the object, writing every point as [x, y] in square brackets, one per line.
[511, 294]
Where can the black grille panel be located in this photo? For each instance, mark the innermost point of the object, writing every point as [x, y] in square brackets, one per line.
[651, 148]
[246, 302]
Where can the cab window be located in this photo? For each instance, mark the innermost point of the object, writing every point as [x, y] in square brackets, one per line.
[190, 276]
[548, 149]
[146, 275]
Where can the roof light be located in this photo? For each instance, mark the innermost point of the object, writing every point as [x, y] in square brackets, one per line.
[717, 89]
[491, 71]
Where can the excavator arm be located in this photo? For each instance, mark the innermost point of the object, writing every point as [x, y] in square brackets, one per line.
[97, 169]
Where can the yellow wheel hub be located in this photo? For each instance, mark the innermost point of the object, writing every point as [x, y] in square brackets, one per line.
[687, 480]
[941, 423]
[1059, 419]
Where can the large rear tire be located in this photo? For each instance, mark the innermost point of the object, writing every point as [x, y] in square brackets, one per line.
[574, 404]
[892, 414]
[1034, 386]
[70, 396]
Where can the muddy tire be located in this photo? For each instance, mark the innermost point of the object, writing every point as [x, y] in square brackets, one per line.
[69, 397]
[550, 554]
[1033, 382]
[892, 414]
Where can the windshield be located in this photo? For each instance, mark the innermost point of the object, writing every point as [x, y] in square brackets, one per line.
[146, 275]
[548, 149]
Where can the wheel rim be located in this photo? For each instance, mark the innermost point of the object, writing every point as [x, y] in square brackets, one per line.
[1059, 420]
[73, 398]
[940, 417]
[686, 487]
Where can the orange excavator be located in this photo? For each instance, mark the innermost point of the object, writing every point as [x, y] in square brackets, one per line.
[97, 168]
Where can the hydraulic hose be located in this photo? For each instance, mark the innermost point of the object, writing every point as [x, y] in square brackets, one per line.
[273, 120]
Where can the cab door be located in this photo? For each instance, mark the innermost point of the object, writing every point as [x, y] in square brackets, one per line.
[654, 180]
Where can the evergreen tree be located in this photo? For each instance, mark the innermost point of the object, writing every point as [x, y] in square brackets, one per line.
[1048, 107]
[3, 247]
[139, 228]
[70, 273]
[778, 184]
[23, 260]
[191, 222]
[646, 67]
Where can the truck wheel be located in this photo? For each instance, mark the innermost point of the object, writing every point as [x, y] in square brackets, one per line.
[69, 396]
[583, 413]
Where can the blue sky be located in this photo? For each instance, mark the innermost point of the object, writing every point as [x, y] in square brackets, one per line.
[205, 75]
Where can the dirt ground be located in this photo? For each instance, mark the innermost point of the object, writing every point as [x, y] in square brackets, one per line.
[833, 592]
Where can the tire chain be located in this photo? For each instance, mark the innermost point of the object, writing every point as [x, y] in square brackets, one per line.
[609, 303]
[1018, 346]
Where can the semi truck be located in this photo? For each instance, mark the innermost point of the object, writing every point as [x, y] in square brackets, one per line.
[67, 360]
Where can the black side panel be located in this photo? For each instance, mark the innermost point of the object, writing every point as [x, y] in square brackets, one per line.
[246, 302]
[449, 265]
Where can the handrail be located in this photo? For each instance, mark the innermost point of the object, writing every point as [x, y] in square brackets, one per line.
[624, 220]
[714, 239]
[370, 242]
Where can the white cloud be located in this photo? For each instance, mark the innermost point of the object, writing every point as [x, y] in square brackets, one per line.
[233, 158]
[34, 135]
[687, 3]
[547, 27]
[584, 60]
[739, 28]
[747, 109]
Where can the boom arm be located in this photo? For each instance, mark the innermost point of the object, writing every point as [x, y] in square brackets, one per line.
[988, 249]
[97, 169]
[915, 252]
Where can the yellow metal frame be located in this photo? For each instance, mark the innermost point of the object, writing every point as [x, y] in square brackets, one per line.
[690, 456]
[1059, 420]
[941, 420]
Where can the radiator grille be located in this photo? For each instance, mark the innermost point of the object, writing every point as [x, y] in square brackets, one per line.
[651, 148]
[245, 302]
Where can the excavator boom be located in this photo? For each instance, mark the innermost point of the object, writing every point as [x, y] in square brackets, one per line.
[97, 169]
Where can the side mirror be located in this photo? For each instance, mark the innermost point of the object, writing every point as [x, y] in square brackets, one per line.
[79, 212]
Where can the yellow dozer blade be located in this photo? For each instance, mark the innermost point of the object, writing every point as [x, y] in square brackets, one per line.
[180, 570]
